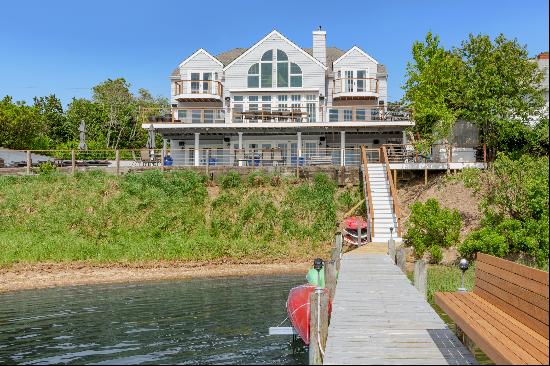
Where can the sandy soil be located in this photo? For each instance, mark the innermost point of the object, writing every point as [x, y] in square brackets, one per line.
[43, 275]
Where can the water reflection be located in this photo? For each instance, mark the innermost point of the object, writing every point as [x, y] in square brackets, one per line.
[221, 321]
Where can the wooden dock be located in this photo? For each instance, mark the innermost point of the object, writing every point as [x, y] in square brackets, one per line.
[378, 317]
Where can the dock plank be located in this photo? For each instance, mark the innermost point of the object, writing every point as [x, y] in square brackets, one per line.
[378, 317]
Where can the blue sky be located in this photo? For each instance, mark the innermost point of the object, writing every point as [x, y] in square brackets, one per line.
[66, 47]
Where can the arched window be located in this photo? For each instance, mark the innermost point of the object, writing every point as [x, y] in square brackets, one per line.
[288, 73]
[295, 75]
[254, 76]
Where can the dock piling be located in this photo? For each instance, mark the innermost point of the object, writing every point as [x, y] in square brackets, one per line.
[318, 326]
[402, 259]
[421, 277]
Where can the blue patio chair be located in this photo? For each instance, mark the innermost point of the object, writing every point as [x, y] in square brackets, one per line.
[212, 161]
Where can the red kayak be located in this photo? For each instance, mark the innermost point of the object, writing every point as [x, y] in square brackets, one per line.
[352, 232]
[297, 307]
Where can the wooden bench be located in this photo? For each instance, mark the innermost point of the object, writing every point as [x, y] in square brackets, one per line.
[506, 315]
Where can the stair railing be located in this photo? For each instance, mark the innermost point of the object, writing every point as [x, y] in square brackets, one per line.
[367, 192]
[384, 160]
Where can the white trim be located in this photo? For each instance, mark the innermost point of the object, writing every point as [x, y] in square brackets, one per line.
[274, 32]
[200, 50]
[275, 90]
[259, 125]
[355, 48]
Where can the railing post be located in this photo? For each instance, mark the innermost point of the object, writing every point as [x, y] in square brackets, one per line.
[117, 161]
[29, 161]
[73, 161]
[318, 326]
[401, 259]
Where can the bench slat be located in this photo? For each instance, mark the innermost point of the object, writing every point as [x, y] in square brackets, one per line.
[531, 341]
[489, 344]
[514, 278]
[527, 295]
[519, 269]
[515, 301]
[526, 319]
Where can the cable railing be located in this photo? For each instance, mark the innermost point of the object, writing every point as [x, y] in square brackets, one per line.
[275, 114]
[437, 153]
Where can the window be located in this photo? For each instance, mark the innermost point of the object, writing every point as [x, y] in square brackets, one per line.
[252, 98]
[282, 74]
[295, 76]
[196, 116]
[266, 98]
[238, 98]
[268, 56]
[311, 112]
[208, 116]
[287, 73]
[267, 74]
[296, 97]
[254, 76]
[333, 115]
[182, 114]
[360, 114]
[348, 113]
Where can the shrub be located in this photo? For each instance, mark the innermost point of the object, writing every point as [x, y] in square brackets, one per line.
[231, 180]
[257, 179]
[430, 226]
[485, 240]
[46, 168]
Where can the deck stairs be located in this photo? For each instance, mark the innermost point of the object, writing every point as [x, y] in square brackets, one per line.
[382, 203]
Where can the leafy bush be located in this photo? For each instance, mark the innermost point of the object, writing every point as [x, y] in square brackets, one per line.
[231, 180]
[514, 200]
[257, 179]
[46, 168]
[431, 227]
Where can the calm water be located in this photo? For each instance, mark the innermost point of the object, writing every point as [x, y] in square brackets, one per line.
[223, 320]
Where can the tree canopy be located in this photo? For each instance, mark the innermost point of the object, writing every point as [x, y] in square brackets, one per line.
[492, 84]
[111, 117]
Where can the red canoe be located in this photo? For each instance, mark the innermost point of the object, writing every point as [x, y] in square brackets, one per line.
[351, 230]
[297, 307]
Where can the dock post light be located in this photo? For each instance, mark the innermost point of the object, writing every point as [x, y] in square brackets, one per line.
[318, 265]
[463, 265]
[391, 232]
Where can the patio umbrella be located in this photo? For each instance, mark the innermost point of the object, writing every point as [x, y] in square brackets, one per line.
[151, 137]
[82, 145]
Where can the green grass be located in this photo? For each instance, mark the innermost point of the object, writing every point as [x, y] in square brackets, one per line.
[152, 215]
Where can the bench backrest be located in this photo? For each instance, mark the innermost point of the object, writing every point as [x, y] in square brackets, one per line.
[519, 291]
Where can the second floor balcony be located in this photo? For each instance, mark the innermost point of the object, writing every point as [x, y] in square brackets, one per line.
[197, 90]
[355, 88]
[294, 115]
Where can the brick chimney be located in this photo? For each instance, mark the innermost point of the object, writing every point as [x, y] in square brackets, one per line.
[320, 45]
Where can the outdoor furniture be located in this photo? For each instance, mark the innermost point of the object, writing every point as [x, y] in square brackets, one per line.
[506, 315]
[148, 158]
[320, 160]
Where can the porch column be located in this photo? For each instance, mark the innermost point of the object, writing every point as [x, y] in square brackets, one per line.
[197, 150]
[343, 148]
[299, 147]
[240, 147]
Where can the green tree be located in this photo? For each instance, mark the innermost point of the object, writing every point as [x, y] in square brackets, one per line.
[20, 125]
[501, 93]
[54, 121]
[433, 89]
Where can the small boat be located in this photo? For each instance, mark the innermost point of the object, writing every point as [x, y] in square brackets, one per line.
[353, 227]
[297, 306]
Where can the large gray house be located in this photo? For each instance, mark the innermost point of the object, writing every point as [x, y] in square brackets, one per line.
[279, 99]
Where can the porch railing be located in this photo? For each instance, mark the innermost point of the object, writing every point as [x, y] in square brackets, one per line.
[276, 114]
[357, 86]
[199, 87]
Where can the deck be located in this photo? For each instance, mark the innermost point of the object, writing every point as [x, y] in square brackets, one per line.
[378, 317]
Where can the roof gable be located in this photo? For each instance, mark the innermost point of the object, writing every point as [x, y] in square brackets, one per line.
[200, 50]
[274, 32]
[355, 48]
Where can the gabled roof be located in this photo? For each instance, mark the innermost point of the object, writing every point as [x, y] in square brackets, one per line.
[200, 50]
[355, 48]
[332, 54]
[274, 32]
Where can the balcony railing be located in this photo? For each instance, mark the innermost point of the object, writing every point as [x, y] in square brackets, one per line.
[308, 114]
[198, 88]
[355, 87]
